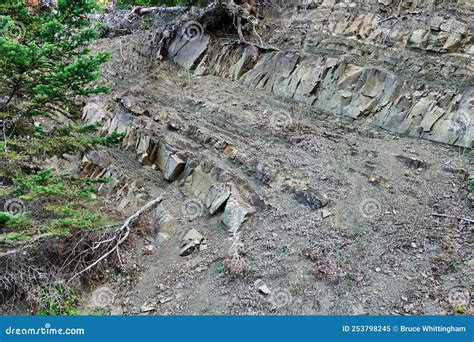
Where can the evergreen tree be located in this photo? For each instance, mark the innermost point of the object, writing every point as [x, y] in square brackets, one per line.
[45, 65]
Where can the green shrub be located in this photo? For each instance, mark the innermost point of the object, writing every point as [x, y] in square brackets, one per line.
[14, 221]
[58, 300]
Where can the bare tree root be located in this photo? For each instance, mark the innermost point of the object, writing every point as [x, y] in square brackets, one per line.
[235, 263]
[120, 236]
[21, 246]
[214, 13]
[23, 275]
[28, 269]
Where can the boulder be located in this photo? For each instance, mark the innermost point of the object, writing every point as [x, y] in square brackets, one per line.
[191, 241]
[236, 211]
[189, 248]
[93, 113]
[192, 235]
[419, 38]
[454, 26]
[310, 198]
[216, 197]
[161, 156]
[413, 162]
[174, 167]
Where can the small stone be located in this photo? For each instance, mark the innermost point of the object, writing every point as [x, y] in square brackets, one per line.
[189, 248]
[264, 289]
[116, 311]
[310, 197]
[377, 269]
[201, 268]
[160, 238]
[405, 299]
[174, 125]
[413, 162]
[149, 249]
[230, 151]
[326, 213]
[413, 245]
[146, 308]
[191, 235]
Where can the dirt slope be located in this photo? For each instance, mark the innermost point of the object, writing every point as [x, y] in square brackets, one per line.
[343, 220]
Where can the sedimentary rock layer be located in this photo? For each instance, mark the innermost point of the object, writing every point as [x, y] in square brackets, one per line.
[406, 73]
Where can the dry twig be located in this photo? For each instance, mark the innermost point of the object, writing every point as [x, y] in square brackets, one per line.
[124, 228]
[454, 217]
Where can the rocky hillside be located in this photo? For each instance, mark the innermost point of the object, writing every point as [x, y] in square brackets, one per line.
[321, 167]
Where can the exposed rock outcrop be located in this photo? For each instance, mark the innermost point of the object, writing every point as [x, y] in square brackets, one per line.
[367, 60]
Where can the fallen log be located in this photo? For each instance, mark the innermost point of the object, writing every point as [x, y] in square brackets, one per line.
[147, 10]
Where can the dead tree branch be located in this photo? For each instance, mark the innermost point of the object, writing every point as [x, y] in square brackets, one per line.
[125, 230]
[454, 217]
[147, 10]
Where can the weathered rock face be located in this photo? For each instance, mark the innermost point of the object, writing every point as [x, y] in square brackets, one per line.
[405, 67]
[190, 157]
[382, 98]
